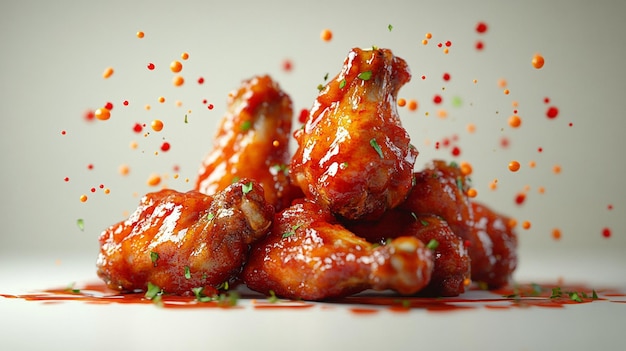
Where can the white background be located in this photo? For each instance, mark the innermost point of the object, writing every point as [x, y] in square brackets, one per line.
[53, 54]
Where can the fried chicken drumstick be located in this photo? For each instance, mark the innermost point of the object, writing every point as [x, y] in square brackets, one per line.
[180, 241]
[309, 255]
[252, 141]
[354, 157]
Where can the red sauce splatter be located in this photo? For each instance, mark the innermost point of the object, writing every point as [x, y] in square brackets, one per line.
[165, 146]
[67, 179]
[609, 207]
[304, 114]
[63, 132]
[108, 106]
[520, 198]
[456, 151]
[151, 66]
[89, 116]
[210, 106]
[504, 142]
[479, 45]
[137, 128]
[93, 190]
[287, 65]
[606, 232]
[481, 27]
[437, 99]
[125, 103]
[90, 166]
[448, 43]
[446, 76]
[546, 100]
[200, 80]
[552, 112]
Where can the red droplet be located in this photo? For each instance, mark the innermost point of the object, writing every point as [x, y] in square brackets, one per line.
[90, 166]
[151, 66]
[552, 112]
[101, 186]
[571, 124]
[440, 45]
[125, 102]
[540, 149]
[437, 146]
[89, 116]
[606, 232]
[446, 76]
[204, 101]
[176, 168]
[200, 80]
[481, 27]
[437, 99]
[108, 106]
[287, 65]
[423, 77]
[304, 114]
[456, 151]
[504, 142]
[93, 190]
[137, 128]
[520, 198]
[609, 207]
[165, 146]
[67, 179]
[445, 142]
[448, 43]
[480, 45]
[546, 100]
[210, 107]
[467, 243]
[63, 132]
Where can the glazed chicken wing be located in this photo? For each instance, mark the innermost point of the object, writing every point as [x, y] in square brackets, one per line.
[353, 156]
[451, 272]
[440, 190]
[180, 241]
[252, 141]
[309, 255]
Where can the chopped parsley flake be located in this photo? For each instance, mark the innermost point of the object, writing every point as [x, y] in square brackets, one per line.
[575, 297]
[280, 167]
[80, 223]
[154, 257]
[246, 188]
[365, 75]
[342, 84]
[423, 221]
[390, 27]
[210, 216]
[376, 147]
[245, 126]
[320, 87]
[594, 295]
[186, 119]
[272, 298]
[223, 286]
[235, 179]
[432, 244]
[187, 273]
[343, 165]
[292, 231]
[154, 293]
[199, 294]
[556, 292]
[326, 77]
[70, 288]
[459, 183]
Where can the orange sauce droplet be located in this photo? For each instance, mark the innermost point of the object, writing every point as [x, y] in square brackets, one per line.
[157, 125]
[108, 72]
[326, 35]
[538, 61]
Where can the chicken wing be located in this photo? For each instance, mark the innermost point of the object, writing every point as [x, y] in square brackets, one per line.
[440, 190]
[180, 241]
[451, 272]
[309, 255]
[252, 141]
[353, 156]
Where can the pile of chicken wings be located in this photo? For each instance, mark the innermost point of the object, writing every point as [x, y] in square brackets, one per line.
[344, 213]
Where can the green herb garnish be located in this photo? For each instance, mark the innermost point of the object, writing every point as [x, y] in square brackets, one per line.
[342, 84]
[70, 288]
[154, 257]
[556, 293]
[186, 119]
[223, 286]
[424, 222]
[376, 147]
[154, 293]
[432, 244]
[272, 298]
[326, 77]
[594, 295]
[245, 126]
[187, 273]
[292, 231]
[80, 223]
[390, 27]
[199, 294]
[320, 87]
[365, 75]
[210, 216]
[574, 296]
[246, 188]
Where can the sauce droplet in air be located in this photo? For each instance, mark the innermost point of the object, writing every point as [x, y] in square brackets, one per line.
[606, 232]
[154, 180]
[538, 61]
[176, 66]
[108, 72]
[514, 166]
[552, 112]
[326, 35]
[157, 125]
[178, 81]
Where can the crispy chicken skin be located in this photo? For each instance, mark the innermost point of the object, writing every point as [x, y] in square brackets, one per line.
[179, 241]
[252, 141]
[309, 255]
[353, 156]
[452, 262]
[440, 189]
